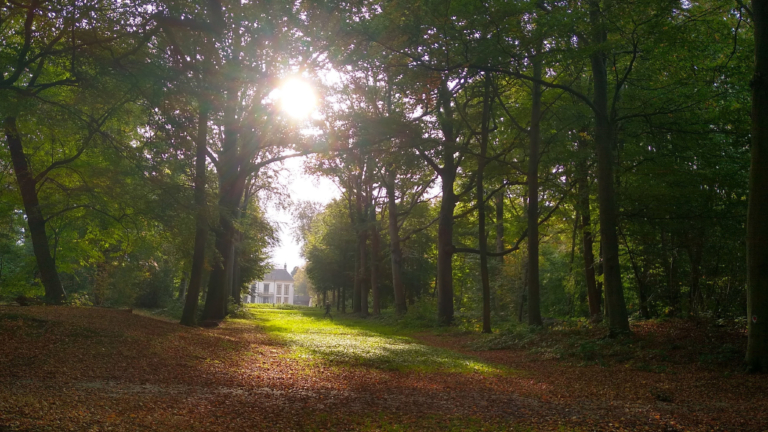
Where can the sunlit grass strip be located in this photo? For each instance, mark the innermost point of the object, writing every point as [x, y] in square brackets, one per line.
[357, 342]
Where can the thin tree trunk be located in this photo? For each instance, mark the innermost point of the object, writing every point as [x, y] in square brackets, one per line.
[534, 307]
[757, 225]
[499, 205]
[642, 291]
[375, 241]
[523, 294]
[614, 291]
[362, 244]
[189, 315]
[593, 293]
[354, 218]
[480, 199]
[396, 254]
[337, 298]
[343, 300]
[231, 270]
[182, 287]
[54, 291]
[695, 251]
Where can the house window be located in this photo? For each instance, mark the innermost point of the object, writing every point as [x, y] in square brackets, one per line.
[279, 289]
[266, 288]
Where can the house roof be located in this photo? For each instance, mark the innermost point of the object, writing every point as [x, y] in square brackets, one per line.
[278, 275]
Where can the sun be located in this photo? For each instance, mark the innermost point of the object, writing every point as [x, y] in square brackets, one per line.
[297, 98]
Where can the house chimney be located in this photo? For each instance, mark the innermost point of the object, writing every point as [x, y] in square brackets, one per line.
[285, 266]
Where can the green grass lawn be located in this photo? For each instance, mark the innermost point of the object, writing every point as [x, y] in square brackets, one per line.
[350, 341]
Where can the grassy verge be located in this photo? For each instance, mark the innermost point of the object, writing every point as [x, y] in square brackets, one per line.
[349, 341]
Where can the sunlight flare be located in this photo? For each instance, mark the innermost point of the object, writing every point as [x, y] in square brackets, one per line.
[296, 98]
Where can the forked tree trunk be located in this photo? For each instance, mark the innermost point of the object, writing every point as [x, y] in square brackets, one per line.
[534, 307]
[54, 291]
[189, 315]
[231, 187]
[616, 308]
[757, 224]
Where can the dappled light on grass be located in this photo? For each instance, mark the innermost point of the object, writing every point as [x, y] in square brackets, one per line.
[356, 342]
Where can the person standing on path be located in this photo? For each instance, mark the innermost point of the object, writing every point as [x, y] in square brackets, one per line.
[328, 311]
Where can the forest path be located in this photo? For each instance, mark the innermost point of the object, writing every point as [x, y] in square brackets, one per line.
[290, 369]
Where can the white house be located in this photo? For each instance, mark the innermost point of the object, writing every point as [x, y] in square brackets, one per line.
[276, 287]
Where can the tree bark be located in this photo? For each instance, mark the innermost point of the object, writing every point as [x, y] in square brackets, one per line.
[498, 276]
[480, 198]
[362, 244]
[395, 252]
[183, 287]
[447, 205]
[375, 241]
[695, 252]
[757, 224]
[189, 315]
[593, 294]
[614, 291]
[534, 306]
[234, 272]
[231, 187]
[354, 217]
[54, 291]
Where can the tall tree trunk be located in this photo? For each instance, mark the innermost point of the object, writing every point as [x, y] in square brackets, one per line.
[359, 252]
[499, 206]
[189, 315]
[480, 198]
[534, 307]
[593, 293]
[364, 274]
[445, 248]
[231, 187]
[362, 245]
[375, 241]
[757, 224]
[337, 298]
[395, 252]
[614, 292]
[54, 291]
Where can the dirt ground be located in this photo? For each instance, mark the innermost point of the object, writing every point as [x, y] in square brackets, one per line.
[90, 369]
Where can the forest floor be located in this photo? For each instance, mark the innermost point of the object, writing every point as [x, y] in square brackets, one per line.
[83, 369]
